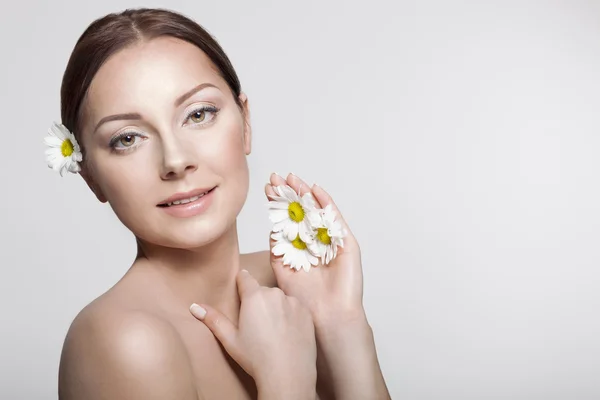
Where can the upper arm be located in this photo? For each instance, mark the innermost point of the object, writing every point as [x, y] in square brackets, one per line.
[125, 357]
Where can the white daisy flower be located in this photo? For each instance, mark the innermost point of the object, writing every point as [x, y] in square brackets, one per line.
[328, 236]
[292, 214]
[64, 153]
[295, 252]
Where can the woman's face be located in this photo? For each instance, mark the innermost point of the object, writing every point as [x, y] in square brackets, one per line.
[175, 140]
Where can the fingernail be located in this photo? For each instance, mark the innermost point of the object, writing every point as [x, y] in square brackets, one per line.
[198, 311]
[245, 270]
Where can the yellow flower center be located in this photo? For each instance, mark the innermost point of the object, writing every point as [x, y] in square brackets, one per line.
[66, 148]
[298, 243]
[323, 236]
[296, 212]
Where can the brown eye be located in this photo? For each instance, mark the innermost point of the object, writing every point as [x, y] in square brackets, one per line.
[202, 116]
[127, 140]
[198, 116]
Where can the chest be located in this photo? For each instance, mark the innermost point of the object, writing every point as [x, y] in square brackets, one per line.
[217, 375]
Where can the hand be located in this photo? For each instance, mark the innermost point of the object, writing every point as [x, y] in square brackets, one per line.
[333, 293]
[347, 363]
[274, 340]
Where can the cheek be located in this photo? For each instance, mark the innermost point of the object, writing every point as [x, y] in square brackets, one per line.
[228, 161]
[125, 184]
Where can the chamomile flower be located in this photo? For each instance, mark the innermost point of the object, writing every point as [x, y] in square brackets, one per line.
[295, 252]
[329, 234]
[63, 153]
[292, 214]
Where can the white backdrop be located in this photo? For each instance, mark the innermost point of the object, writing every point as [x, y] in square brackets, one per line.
[459, 138]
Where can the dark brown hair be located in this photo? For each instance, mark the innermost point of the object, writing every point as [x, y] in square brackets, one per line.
[113, 32]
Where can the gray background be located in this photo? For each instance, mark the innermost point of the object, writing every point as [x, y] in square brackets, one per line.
[460, 140]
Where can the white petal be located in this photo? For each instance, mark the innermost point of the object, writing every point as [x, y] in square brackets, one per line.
[280, 225]
[278, 199]
[53, 153]
[63, 166]
[309, 201]
[57, 130]
[329, 255]
[314, 219]
[313, 248]
[53, 141]
[288, 259]
[278, 215]
[280, 248]
[74, 167]
[289, 193]
[305, 265]
[317, 248]
[277, 190]
[290, 231]
[305, 232]
[279, 205]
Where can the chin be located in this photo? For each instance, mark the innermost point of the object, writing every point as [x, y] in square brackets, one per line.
[192, 234]
[156, 227]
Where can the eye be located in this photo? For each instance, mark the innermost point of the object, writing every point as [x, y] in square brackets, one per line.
[125, 141]
[199, 115]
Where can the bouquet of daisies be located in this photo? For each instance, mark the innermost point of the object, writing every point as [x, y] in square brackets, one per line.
[304, 234]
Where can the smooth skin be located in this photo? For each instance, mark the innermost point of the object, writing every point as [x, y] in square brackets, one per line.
[273, 340]
[139, 340]
[334, 296]
[348, 366]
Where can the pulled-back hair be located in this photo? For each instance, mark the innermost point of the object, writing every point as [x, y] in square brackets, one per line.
[113, 32]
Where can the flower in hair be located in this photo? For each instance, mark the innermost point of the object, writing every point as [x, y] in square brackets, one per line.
[329, 235]
[295, 252]
[292, 214]
[63, 153]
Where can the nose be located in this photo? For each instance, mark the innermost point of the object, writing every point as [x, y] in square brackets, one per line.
[177, 159]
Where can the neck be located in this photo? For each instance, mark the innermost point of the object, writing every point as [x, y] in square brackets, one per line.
[202, 275]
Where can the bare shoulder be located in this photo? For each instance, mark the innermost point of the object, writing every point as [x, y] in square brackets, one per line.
[259, 265]
[124, 354]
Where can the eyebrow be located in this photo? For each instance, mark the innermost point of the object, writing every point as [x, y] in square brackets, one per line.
[137, 116]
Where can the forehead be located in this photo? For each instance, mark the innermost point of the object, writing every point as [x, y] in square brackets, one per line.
[159, 69]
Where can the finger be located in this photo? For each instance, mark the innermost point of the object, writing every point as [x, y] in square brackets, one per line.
[274, 181]
[277, 180]
[246, 283]
[325, 199]
[224, 330]
[298, 184]
[269, 191]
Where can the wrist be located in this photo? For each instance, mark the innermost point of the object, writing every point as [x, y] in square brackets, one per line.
[331, 322]
[347, 353]
[294, 385]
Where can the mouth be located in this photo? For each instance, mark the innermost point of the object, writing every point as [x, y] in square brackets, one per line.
[180, 199]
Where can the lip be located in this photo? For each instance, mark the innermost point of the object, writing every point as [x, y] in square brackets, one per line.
[193, 208]
[185, 195]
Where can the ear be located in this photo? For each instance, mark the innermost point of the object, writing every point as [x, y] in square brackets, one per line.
[247, 126]
[87, 177]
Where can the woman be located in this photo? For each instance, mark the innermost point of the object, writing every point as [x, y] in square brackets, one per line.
[164, 130]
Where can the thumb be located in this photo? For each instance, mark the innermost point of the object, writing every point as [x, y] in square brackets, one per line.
[221, 326]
